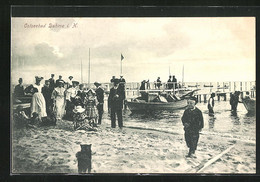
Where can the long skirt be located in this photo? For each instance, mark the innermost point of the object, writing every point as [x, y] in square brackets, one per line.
[38, 105]
[59, 107]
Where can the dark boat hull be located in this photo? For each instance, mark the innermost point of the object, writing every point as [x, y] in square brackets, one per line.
[250, 105]
[154, 106]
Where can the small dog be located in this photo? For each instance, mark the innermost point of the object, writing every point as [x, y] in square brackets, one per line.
[84, 159]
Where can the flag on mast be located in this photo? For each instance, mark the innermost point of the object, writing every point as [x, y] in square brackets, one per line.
[122, 57]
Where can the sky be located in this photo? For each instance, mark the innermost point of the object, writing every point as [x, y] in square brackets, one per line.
[209, 49]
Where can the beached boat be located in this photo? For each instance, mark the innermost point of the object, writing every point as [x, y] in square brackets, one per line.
[250, 105]
[137, 105]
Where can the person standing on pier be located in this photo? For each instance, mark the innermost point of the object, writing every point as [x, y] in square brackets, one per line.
[174, 82]
[148, 85]
[115, 104]
[211, 104]
[193, 123]
[158, 83]
[169, 83]
[100, 98]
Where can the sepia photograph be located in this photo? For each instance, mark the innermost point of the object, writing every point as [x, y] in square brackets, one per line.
[166, 95]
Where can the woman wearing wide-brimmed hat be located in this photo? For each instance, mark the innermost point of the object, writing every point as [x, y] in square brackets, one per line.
[80, 119]
[91, 106]
[58, 96]
[38, 104]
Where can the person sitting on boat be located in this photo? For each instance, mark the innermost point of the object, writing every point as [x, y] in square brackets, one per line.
[193, 123]
[91, 107]
[211, 104]
[80, 120]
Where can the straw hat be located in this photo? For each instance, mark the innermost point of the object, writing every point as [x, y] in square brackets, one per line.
[78, 109]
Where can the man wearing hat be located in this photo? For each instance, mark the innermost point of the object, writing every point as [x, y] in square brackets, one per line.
[122, 88]
[19, 90]
[69, 82]
[52, 82]
[59, 80]
[115, 104]
[174, 81]
[46, 92]
[100, 98]
[192, 120]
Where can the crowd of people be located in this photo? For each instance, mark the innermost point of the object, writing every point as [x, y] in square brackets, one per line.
[70, 100]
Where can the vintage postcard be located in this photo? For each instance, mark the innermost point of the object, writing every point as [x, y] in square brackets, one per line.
[133, 95]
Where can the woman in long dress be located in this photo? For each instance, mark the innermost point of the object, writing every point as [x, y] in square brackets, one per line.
[38, 102]
[58, 96]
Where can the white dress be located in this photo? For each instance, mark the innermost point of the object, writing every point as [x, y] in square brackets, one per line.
[38, 102]
[58, 95]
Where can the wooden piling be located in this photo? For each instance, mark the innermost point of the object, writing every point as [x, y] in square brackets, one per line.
[225, 97]
[205, 98]
[200, 98]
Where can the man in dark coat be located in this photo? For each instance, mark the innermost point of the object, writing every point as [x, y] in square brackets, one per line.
[100, 98]
[122, 88]
[169, 83]
[115, 104]
[46, 92]
[174, 80]
[192, 120]
[52, 82]
[158, 83]
[59, 80]
[19, 90]
[234, 99]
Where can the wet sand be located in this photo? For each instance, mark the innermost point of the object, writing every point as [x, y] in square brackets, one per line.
[130, 150]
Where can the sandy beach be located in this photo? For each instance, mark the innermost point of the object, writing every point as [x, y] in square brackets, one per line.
[130, 150]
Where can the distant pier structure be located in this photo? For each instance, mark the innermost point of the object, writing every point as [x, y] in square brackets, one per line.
[221, 89]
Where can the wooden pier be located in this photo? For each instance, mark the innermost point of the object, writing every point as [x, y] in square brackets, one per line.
[222, 90]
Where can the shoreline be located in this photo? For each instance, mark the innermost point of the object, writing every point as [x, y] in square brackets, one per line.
[131, 150]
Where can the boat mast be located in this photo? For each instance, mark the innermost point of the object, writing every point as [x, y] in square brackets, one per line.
[182, 75]
[89, 67]
[81, 71]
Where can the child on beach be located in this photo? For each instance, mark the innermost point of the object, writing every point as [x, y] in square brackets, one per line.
[81, 121]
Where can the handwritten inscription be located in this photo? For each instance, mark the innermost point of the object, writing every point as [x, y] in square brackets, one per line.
[51, 25]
